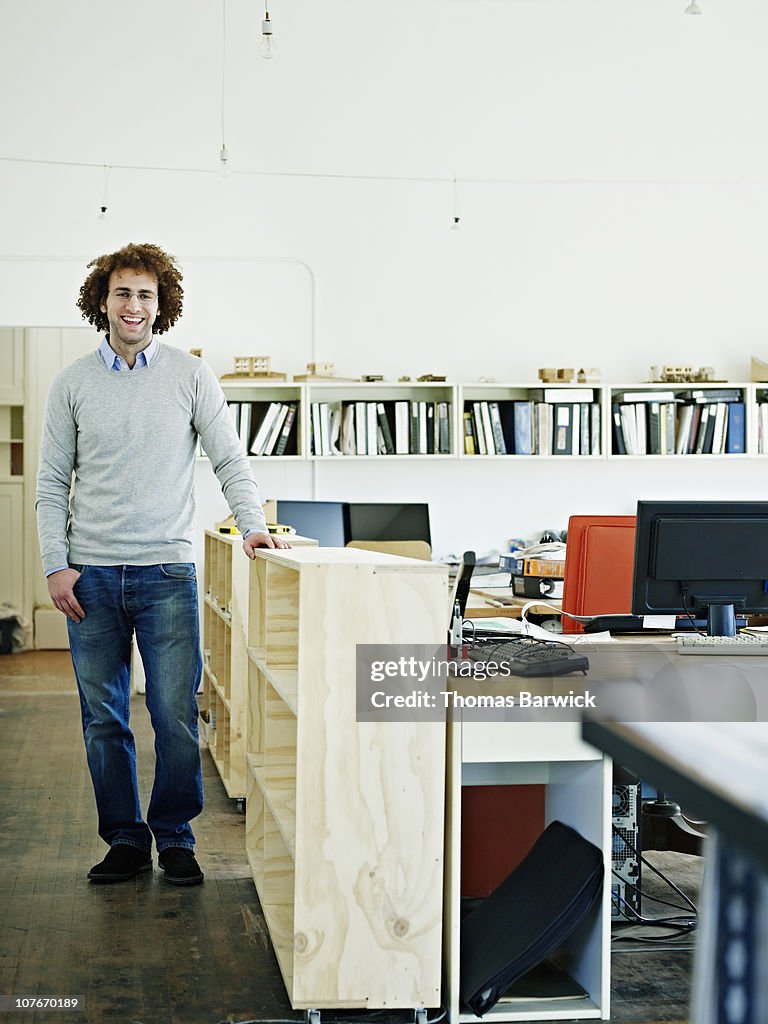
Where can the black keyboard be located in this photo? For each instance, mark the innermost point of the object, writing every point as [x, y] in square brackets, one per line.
[529, 657]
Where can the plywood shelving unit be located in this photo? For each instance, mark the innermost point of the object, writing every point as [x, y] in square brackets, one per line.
[344, 819]
[225, 659]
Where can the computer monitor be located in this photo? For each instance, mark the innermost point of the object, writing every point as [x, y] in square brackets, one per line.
[326, 521]
[701, 557]
[389, 521]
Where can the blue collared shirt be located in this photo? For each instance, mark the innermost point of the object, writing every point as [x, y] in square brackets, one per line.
[113, 361]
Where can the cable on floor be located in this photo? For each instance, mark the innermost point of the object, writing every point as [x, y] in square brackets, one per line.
[335, 1020]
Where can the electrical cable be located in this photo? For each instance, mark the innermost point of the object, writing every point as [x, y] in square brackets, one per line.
[684, 596]
[223, 152]
[333, 1020]
[668, 881]
[664, 878]
[679, 925]
[688, 948]
[639, 919]
[404, 178]
[646, 895]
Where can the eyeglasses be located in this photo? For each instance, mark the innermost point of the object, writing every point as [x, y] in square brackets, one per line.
[124, 295]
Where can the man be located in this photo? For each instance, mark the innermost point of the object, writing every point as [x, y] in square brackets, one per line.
[118, 555]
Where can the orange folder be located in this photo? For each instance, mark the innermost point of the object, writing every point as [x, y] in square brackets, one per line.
[599, 563]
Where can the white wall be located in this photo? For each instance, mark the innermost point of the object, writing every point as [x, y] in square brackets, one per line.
[612, 185]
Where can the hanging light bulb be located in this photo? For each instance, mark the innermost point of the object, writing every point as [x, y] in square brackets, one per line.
[102, 214]
[456, 217]
[692, 8]
[224, 161]
[267, 45]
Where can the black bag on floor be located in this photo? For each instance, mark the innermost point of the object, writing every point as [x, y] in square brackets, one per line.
[529, 915]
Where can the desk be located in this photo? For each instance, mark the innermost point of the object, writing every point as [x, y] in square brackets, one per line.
[504, 601]
[720, 771]
[578, 783]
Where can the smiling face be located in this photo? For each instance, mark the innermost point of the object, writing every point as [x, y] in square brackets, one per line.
[131, 308]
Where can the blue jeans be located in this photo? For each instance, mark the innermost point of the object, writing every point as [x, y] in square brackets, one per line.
[159, 602]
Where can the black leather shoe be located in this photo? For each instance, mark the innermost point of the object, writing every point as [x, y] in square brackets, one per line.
[121, 863]
[180, 866]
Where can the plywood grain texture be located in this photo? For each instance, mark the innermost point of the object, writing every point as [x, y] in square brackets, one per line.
[367, 866]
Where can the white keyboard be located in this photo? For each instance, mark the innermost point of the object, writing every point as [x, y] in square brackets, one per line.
[743, 643]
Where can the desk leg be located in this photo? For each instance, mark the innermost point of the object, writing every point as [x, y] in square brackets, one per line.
[732, 942]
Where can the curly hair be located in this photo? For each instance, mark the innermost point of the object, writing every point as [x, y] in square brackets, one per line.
[145, 258]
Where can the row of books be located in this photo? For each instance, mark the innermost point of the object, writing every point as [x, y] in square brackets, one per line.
[678, 428]
[700, 396]
[266, 428]
[531, 428]
[380, 428]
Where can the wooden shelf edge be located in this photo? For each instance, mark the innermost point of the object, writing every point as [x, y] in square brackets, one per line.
[289, 694]
[218, 763]
[256, 655]
[232, 792]
[219, 691]
[269, 791]
[257, 868]
[225, 618]
[283, 951]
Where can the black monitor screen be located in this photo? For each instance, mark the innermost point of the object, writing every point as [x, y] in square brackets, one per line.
[708, 557]
[325, 521]
[385, 521]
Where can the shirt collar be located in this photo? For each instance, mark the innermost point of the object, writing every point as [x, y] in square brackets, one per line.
[113, 361]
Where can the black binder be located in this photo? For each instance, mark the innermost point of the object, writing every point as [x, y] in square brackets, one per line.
[529, 915]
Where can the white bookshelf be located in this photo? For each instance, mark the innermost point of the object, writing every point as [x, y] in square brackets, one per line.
[459, 396]
[748, 396]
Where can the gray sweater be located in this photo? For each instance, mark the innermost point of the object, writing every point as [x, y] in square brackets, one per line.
[131, 439]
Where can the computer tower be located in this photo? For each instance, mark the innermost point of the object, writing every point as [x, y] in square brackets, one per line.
[626, 815]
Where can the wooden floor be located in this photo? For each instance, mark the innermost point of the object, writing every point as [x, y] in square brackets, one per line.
[145, 952]
[142, 950]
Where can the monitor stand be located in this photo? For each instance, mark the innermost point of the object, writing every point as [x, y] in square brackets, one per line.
[721, 619]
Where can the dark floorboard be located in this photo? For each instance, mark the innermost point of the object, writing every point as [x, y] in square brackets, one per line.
[145, 952]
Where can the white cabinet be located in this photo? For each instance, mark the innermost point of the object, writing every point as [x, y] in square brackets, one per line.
[11, 548]
[578, 789]
[11, 365]
[12, 468]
